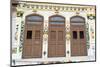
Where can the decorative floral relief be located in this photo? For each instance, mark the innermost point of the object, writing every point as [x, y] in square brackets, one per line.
[88, 46]
[87, 35]
[45, 39]
[45, 31]
[20, 13]
[92, 35]
[16, 35]
[20, 49]
[45, 36]
[91, 16]
[92, 32]
[67, 28]
[68, 35]
[14, 50]
[56, 11]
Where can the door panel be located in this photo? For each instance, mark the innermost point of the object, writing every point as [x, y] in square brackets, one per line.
[56, 42]
[53, 36]
[33, 46]
[78, 41]
[78, 37]
[60, 35]
[37, 44]
[60, 50]
[52, 43]
[27, 51]
[51, 50]
[37, 51]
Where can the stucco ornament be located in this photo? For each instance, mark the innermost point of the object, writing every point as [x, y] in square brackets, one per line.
[20, 13]
[34, 10]
[45, 31]
[14, 50]
[87, 36]
[91, 16]
[56, 11]
[77, 13]
[92, 33]
[68, 36]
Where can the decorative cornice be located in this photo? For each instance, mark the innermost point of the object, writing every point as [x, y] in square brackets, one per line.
[54, 7]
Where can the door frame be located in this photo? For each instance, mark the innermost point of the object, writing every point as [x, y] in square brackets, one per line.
[57, 33]
[25, 33]
[78, 34]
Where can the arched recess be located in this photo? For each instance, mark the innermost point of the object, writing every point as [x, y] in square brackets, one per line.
[56, 36]
[78, 36]
[32, 47]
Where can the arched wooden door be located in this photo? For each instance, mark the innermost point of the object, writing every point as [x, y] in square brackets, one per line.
[78, 36]
[56, 41]
[32, 47]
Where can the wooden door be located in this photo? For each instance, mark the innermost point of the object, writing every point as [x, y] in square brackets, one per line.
[78, 38]
[56, 41]
[32, 47]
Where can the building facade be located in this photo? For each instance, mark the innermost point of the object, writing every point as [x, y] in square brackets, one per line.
[52, 32]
